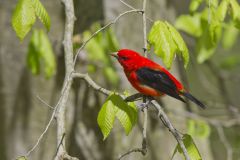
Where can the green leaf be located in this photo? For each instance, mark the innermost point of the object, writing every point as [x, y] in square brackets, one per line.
[23, 18]
[230, 35]
[21, 158]
[47, 55]
[214, 27]
[190, 146]
[125, 113]
[182, 48]
[94, 49]
[41, 13]
[234, 9]
[230, 62]
[164, 45]
[167, 41]
[198, 128]
[190, 24]
[98, 50]
[40, 50]
[222, 10]
[194, 5]
[115, 106]
[111, 75]
[235, 12]
[112, 43]
[205, 46]
[106, 117]
[33, 57]
[215, 30]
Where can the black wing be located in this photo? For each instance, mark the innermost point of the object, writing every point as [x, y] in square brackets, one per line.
[159, 81]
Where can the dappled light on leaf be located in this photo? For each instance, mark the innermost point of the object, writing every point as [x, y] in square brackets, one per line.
[40, 53]
[190, 146]
[24, 16]
[116, 107]
[167, 42]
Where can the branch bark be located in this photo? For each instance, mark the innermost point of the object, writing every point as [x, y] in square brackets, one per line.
[68, 57]
[145, 111]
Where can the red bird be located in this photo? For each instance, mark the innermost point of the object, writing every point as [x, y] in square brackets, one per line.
[150, 78]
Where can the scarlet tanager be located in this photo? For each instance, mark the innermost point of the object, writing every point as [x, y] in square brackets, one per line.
[151, 79]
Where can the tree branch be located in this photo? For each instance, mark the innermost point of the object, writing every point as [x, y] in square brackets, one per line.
[91, 83]
[68, 57]
[162, 115]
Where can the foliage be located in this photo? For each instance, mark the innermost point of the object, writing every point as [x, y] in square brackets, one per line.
[167, 42]
[190, 146]
[40, 50]
[207, 24]
[21, 158]
[198, 128]
[24, 16]
[115, 107]
[99, 49]
[230, 62]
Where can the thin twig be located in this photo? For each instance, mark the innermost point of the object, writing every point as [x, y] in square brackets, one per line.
[131, 151]
[224, 141]
[44, 102]
[101, 29]
[49, 122]
[131, 7]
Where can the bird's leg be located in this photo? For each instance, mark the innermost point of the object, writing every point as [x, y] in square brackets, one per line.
[133, 97]
[146, 101]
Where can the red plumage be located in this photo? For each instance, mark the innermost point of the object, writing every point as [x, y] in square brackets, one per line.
[150, 78]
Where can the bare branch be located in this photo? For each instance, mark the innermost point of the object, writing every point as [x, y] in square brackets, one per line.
[68, 57]
[103, 28]
[68, 157]
[44, 102]
[168, 124]
[131, 151]
[91, 83]
[131, 7]
[144, 28]
[50, 120]
[144, 141]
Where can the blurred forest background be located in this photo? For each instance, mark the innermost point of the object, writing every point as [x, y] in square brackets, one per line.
[23, 115]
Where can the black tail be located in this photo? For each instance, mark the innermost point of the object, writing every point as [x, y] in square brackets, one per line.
[193, 99]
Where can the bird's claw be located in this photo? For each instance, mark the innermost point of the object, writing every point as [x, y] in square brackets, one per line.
[143, 105]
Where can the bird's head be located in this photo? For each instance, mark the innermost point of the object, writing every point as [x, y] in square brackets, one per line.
[127, 58]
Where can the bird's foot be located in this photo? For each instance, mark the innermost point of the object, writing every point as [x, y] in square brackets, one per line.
[144, 105]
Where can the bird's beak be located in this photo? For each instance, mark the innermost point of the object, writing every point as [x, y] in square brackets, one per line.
[114, 54]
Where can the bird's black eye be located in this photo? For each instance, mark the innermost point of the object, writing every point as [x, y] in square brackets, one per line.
[123, 58]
